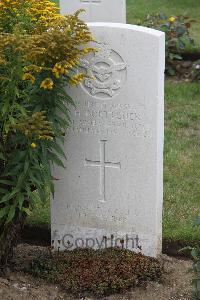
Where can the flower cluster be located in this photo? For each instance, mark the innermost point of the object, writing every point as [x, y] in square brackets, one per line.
[35, 127]
[74, 80]
[34, 14]
[47, 84]
[53, 49]
[28, 77]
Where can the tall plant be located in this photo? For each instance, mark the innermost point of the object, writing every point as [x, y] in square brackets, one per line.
[39, 54]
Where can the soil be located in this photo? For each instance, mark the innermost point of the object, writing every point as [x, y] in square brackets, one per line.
[17, 285]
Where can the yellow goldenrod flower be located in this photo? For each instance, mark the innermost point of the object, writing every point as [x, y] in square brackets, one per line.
[74, 80]
[88, 50]
[33, 145]
[58, 70]
[28, 76]
[35, 126]
[56, 74]
[58, 66]
[172, 19]
[47, 84]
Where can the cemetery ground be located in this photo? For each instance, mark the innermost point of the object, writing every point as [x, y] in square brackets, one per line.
[17, 285]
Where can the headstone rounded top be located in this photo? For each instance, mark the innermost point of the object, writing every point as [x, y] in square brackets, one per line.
[119, 26]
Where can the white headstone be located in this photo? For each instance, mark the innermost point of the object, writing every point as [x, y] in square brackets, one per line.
[111, 190]
[96, 10]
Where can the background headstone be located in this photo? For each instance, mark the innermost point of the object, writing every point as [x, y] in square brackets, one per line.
[111, 189]
[96, 10]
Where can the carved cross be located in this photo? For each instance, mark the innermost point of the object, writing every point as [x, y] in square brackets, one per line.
[102, 164]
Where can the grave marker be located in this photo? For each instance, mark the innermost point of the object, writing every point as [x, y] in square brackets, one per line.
[96, 10]
[111, 190]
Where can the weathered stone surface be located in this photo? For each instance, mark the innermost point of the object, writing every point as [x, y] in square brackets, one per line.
[111, 189]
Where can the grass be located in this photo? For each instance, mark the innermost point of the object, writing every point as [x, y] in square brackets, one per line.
[182, 165]
[139, 9]
[182, 161]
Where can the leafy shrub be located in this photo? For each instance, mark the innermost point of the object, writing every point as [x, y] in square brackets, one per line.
[177, 33]
[99, 272]
[39, 53]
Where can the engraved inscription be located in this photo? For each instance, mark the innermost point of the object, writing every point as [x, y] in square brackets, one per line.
[111, 119]
[102, 164]
[107, 72]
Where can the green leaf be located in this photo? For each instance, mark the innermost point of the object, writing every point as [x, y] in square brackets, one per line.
[19, 156]
[27, 211]
[55, 159]
[35, 199]
[58, 149]
[34, 180]
[63, 108]
[9, 196]
[4, 211]
[3, 191]
[6, 182]
[2, 157]
[175, 56]
[42, 195]
[20, 200]
[26, 166]
[164, 27]
[11, 214]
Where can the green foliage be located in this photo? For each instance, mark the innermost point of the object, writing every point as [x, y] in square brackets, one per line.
[177, 35]
[99, 272]
[37, 63]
